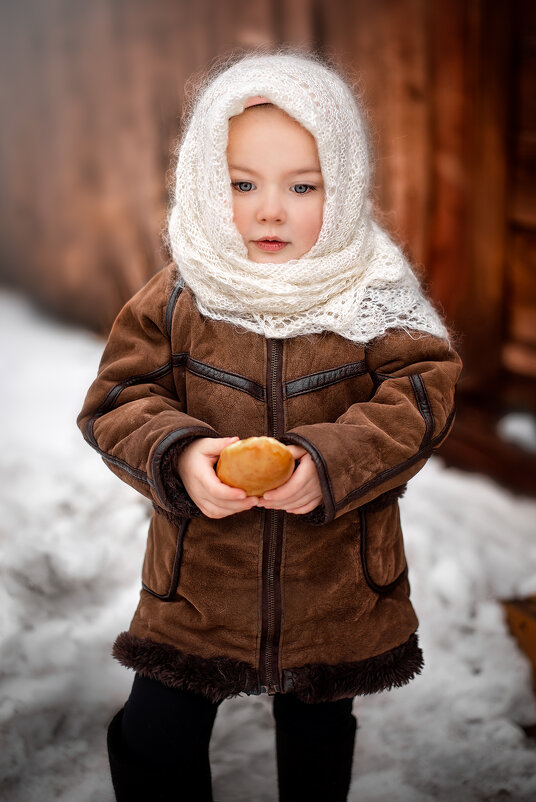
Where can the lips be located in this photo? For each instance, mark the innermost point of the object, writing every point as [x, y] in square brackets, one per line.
[270, 244]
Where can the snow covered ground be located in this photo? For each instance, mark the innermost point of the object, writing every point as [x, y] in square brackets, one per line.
[71, 544]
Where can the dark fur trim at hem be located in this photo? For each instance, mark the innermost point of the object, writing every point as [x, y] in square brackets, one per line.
[320, 682]
[216, 678]
[220, 678]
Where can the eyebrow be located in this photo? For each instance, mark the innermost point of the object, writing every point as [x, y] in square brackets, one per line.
[300, 171]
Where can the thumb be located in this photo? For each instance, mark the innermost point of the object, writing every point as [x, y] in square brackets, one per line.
[297, 451]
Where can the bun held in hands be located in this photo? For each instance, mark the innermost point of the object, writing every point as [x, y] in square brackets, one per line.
[256, 465]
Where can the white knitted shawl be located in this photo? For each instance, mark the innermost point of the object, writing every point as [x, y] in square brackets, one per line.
[354, 280]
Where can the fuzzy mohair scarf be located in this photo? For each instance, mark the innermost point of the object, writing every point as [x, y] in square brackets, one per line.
[354, 280]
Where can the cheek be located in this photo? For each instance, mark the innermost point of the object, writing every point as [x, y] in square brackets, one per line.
[314, 221]
[240, 216]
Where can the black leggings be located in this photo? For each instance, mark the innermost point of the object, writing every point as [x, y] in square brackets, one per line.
[162, 725]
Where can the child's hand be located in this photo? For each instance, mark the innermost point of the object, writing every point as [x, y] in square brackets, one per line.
[195, 467]
[301, 493]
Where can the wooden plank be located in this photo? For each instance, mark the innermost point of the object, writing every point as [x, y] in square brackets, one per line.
[523, 111]
[521, 288]
[479, 311]
[382, 46]
[450, 41]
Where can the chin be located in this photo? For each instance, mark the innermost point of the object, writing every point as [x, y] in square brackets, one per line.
[271, 258]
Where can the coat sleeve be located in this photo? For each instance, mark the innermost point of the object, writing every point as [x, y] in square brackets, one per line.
[378, 444]
[132, 415]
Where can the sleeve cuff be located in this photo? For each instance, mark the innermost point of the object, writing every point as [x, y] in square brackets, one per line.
[324, 512]
[171, 495]
[178, 499]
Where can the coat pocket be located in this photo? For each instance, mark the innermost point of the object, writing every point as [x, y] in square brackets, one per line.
[382, 548]
[162, 562]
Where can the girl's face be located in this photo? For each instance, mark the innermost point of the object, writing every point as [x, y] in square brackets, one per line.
[278, 192]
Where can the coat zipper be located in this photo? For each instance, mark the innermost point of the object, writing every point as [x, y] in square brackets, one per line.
[273, 533]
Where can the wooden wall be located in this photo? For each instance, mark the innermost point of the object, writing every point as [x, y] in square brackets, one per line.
[91, 97]
[518, 354]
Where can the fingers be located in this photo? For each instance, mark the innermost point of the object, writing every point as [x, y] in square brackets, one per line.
[213, 510]
[301, 482]
[213, 446]
[290, 503]
[306, 508]
[300, 494]
[301, 504]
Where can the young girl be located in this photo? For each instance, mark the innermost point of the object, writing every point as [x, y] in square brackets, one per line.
[286, 312]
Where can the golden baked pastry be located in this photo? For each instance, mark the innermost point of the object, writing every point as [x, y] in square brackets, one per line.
[256, 464]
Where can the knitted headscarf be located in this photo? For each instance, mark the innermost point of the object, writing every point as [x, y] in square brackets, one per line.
[354, 280]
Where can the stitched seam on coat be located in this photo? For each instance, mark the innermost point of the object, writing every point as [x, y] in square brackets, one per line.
[106, 406]
[324, 378]
[177, 360]
[170, 308]
[381, 477]
[175, 571]
[425, 408]
[389, 586]
[137, 473]
[117, 389]
[234, 380]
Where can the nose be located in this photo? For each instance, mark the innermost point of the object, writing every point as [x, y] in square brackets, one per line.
[271, 208]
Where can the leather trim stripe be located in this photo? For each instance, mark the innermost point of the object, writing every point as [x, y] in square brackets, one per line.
[137, 473]
[170, 308]
[234, 380]
[363, 553]
[305, 384]
[425, 408]
[422, 453]
[318, 459]
[175, 571]
[379, 378]
[178, 360]
[324, 378]
[117, 389]
[107, 404]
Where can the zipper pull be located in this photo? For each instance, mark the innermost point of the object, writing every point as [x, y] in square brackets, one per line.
[271, 690]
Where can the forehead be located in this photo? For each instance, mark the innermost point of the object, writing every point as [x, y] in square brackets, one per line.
[266, 128]
[265, 114]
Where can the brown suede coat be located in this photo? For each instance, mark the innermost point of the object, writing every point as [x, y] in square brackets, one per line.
[265, 601]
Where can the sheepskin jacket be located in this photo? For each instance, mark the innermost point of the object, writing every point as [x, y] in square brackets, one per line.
[267, 601]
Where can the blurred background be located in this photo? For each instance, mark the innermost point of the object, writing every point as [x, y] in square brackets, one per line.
[91, 98]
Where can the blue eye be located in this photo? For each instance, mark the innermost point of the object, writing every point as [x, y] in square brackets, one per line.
[243, 186]
[301, 189]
